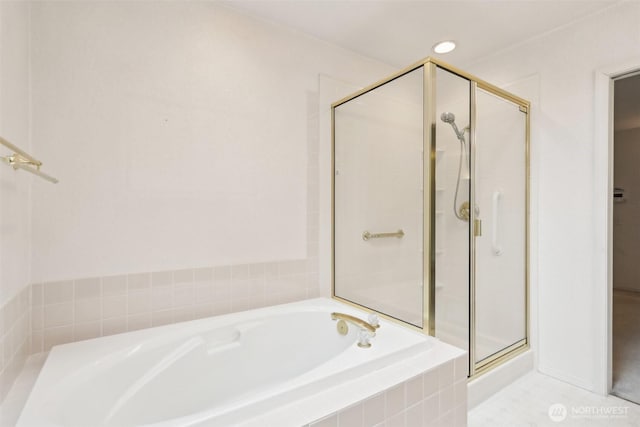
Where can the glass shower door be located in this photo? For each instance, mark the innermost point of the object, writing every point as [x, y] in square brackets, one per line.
[500, 239]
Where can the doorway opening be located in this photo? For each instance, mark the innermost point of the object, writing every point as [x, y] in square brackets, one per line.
[625, 321]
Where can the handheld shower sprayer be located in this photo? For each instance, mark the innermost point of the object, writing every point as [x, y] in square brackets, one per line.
[450, 118]
[462, 213]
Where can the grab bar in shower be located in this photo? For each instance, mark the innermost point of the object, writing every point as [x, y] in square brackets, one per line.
[21, 160]
[495, 245]
[367, 235]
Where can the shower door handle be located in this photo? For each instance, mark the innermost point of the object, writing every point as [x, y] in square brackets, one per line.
[495, 214]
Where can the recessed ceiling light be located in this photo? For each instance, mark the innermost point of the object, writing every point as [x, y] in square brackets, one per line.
[444, 46]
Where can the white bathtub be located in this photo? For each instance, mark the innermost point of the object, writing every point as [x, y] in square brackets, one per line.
[218, 371]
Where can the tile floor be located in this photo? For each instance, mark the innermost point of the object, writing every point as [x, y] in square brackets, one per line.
[626, 345]
[527, 402]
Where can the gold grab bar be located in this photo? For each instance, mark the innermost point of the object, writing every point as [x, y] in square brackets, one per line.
[21, 160]
[367, 235]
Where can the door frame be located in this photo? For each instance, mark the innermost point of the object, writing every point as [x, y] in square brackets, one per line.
[603, 218]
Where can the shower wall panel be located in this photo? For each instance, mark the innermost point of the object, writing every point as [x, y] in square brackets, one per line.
[378, 189]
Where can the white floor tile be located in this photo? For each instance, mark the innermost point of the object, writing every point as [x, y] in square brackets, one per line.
[526, 403]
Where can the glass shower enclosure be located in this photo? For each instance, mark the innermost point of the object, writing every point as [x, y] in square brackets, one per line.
[430, 208]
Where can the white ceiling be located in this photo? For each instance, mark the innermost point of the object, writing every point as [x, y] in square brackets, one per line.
[400, 32]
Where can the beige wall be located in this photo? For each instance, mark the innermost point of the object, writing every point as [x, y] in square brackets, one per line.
[15, 188]
[184, 135]
[14, 127]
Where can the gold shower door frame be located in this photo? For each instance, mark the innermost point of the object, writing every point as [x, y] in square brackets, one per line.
[429, 157]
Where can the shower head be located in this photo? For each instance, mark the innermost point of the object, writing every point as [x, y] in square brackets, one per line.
[448, 117]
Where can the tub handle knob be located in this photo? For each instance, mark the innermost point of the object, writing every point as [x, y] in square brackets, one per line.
[363, 339]
[374, 320]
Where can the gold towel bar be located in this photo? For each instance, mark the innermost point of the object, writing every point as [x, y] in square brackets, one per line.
[367, 235]
[21, 160]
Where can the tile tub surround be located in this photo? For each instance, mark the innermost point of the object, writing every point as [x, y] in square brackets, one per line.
[436, 397]
[13, 403]
[76, 310]
[15, 334]
[419, 401]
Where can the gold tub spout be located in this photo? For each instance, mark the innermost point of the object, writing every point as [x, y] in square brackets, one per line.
[355, 321]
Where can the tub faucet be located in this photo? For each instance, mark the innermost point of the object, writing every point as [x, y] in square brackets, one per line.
[367, 330]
